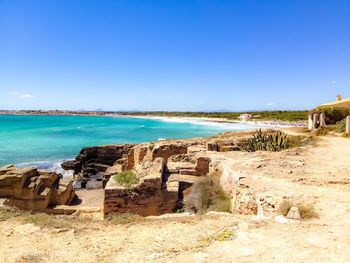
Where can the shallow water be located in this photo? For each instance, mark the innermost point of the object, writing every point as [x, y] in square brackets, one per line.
[47, 140]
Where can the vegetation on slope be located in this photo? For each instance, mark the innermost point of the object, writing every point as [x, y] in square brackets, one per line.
[256, 115]
[333, 115]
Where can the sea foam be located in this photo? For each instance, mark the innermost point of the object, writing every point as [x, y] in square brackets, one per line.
[54, 166]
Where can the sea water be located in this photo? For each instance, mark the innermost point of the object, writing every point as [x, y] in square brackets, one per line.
[44, 141]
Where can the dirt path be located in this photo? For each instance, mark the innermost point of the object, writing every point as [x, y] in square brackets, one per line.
[317, 174]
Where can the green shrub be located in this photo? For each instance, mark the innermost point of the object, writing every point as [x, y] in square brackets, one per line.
[333, 115]
[126, 179]
[208, 195]
[266, 141]
[322, 131]
[340, 126]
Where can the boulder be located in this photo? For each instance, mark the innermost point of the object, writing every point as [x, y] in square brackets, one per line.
[29, 188]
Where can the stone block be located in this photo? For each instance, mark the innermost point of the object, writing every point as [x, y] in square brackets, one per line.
[294, 213]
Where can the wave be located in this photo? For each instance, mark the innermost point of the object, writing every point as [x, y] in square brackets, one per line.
[54, 166]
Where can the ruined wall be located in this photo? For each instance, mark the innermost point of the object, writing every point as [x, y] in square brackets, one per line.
[149, 197]
[144, 200]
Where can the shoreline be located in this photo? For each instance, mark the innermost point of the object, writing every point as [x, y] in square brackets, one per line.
[269, 122]
[198, 120]
[225, 124]
[202, 120]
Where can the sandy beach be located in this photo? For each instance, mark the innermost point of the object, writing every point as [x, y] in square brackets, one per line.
[208, 121]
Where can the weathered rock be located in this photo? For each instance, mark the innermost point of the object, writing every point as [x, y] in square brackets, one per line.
[294, 213]
[29, 188]
[184, 178]
[202, 165]
[167, 150]
[196, 148]
[94, 184]
[176, 167]
[212, 146]
[96, 160]
[68, 165]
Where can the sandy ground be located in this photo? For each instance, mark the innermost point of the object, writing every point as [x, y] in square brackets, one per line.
[318, 174]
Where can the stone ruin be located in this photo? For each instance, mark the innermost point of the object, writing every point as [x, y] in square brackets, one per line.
[166, 171]
[32, 189]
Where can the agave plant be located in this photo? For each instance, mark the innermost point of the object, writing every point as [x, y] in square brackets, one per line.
[266, 141]
[277, 141]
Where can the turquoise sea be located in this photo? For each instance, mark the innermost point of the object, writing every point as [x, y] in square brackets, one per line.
[44, 141]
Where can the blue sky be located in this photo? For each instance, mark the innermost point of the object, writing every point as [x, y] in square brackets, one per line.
[173, 55]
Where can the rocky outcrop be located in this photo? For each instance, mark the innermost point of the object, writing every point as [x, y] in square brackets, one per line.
[91, 164]
[95, 165]
[29, 188]
[166, 171]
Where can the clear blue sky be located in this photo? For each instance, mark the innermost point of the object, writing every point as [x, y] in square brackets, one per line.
[173, 55]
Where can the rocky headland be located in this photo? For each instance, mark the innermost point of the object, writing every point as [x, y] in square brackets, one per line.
[311, 176]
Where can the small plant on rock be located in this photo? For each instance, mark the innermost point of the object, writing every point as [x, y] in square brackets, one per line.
[126, 179]
[223, 235]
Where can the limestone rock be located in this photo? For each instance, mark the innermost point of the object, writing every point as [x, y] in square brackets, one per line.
[29, 188]
[294, 213]
[168, 150]
[96, 160]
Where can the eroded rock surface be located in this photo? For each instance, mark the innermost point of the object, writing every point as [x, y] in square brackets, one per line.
[166, 171]
[29, 188]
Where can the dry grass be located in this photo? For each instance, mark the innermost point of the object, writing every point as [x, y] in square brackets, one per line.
[208, 195]
[322, 131]
[307, 211]
[43, 220]
[50, 221]
[8, 213]
[123, 219]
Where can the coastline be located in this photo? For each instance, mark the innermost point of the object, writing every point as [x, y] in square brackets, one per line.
[209, 120]
[223, 125]
[198, 120]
